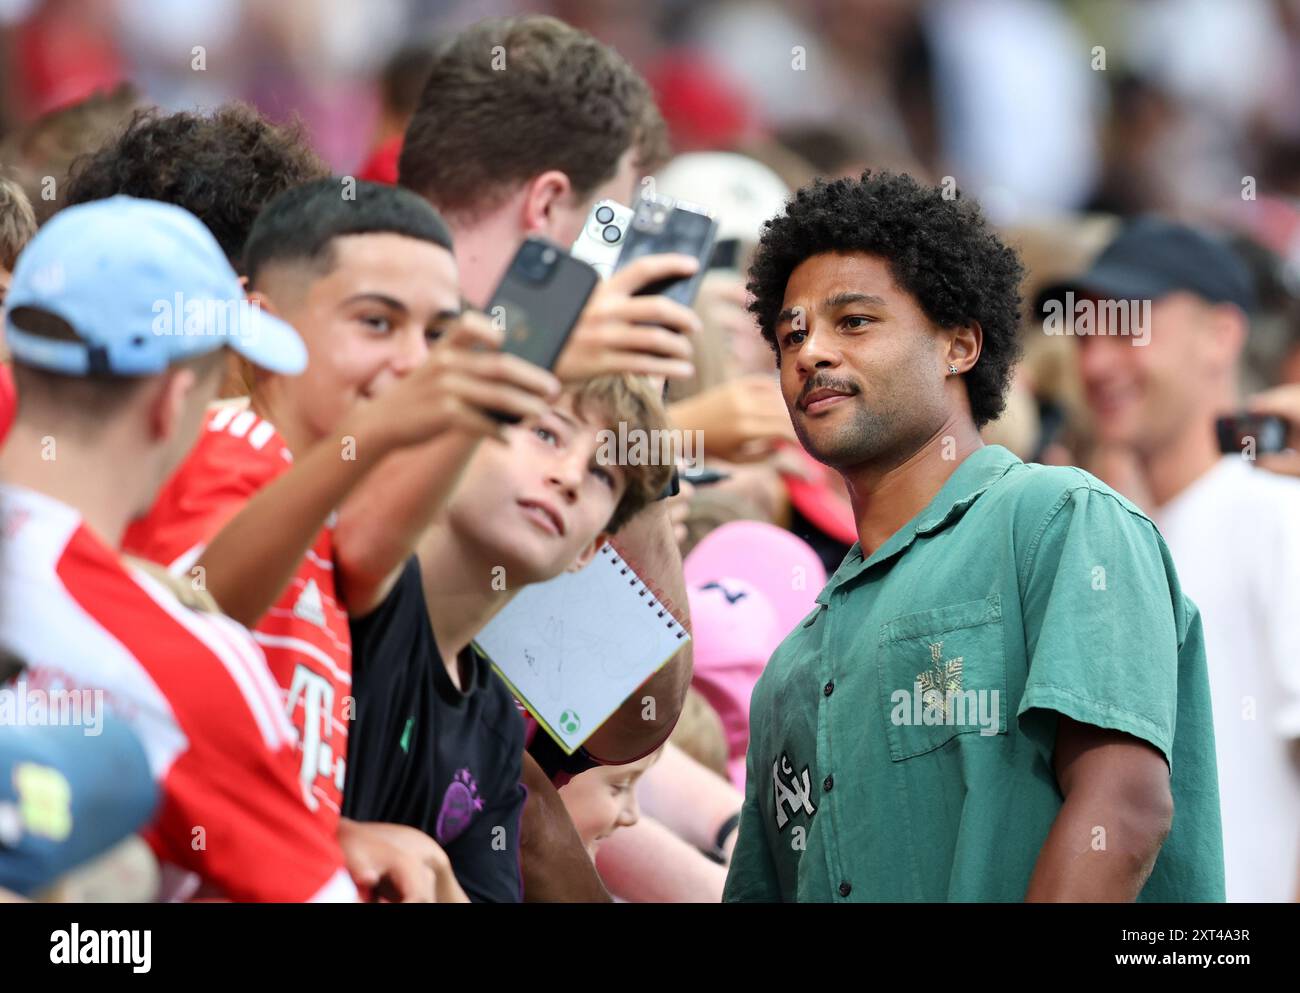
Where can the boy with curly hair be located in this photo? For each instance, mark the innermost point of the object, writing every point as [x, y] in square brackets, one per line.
[223, 166]
[983, 704]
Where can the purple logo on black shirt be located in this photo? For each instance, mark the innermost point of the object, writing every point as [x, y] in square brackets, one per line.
[459, 805]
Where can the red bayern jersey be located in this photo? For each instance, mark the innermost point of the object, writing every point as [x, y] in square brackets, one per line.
[305, 635]
[195, 689]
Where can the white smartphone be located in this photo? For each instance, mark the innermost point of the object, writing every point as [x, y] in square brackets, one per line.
[602, 236]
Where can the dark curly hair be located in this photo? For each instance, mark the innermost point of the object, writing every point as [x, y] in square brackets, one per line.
[222, 167]
[941, 250]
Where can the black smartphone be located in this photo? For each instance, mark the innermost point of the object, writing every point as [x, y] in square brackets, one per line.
[660, 225]
[538, 302]
[1236, 431]
[726, 254]
[705, 477]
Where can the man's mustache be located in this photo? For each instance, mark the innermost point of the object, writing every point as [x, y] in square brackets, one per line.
[824, 382]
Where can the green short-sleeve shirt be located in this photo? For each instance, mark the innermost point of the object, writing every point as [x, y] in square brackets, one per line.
[901, 737]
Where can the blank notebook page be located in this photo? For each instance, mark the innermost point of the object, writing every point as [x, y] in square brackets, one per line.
[574, 648]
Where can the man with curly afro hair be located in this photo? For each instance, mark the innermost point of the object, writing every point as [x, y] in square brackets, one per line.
[983, 705]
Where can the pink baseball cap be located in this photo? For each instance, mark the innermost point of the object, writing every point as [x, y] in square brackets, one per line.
[749, 584]
[776, 563]
[733, 629]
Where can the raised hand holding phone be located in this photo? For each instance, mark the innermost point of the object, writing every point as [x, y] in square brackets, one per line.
[623, 332]
[538, 303]
[465, 379]
[601, 240]
[661, 225]
[743, 419]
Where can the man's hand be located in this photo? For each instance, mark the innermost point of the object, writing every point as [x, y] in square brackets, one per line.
[1283, 402]
[691, 801]
[1117, 813]
[761, 485]
[465, 376]
[396, 863]
[642, 335]
[742, 419]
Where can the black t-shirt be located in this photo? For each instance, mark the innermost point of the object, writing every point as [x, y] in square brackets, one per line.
[422, 752]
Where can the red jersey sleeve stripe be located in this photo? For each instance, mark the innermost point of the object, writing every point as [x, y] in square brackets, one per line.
[221, 417]
[263, 680]
[253, 679]
[185, 561]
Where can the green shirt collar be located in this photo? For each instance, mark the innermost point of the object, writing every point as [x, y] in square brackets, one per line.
[981, 469]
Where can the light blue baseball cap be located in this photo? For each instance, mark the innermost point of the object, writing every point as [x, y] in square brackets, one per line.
[143, 285]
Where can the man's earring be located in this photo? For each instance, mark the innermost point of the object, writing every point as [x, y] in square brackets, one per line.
[952, 369]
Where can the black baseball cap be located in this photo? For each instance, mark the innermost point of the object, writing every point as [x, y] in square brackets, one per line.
[1153, 256]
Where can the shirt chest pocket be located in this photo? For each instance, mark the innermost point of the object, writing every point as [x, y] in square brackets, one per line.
[942, 673]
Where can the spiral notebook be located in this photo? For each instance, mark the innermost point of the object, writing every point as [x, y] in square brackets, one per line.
[574, 648]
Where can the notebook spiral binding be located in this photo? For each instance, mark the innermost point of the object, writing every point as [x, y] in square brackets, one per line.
[657, 600]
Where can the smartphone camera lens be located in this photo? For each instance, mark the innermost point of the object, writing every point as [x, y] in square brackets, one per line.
[604, 215]
[612, 234]
[536, 261]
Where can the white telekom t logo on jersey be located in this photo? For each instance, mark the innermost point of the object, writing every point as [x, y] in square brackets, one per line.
[317, 697]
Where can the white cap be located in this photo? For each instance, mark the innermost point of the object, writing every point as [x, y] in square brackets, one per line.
[741, 192]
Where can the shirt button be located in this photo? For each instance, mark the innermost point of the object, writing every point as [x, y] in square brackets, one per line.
[829, 688]
[845, 888]
[828, 783]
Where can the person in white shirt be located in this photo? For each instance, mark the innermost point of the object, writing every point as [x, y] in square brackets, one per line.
[1161, 318]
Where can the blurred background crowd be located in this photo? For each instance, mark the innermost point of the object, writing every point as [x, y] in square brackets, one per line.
[1035, 106]
[1057, 116]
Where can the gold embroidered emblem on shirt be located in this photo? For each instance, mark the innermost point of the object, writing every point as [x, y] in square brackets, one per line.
[942, 679]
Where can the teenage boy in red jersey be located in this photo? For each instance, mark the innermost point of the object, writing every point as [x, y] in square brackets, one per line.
[367, 277]
[109, 405]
